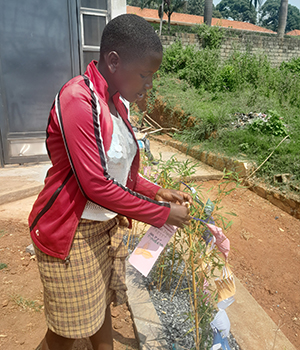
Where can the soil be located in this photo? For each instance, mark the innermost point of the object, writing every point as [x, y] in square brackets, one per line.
[265, 257]
[22, 322]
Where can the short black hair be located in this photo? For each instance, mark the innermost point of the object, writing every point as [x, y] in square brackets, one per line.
[131, 36]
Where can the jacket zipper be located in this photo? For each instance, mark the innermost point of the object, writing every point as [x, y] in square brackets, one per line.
[67, 260]
[51, 200]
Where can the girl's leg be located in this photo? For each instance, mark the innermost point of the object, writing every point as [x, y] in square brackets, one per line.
[103, 339]
[53, 341]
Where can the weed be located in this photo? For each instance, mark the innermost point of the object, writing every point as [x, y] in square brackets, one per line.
[293, 65]
[210, 37]
[3, 266]
[272, 125]
[26, 304]
[210, 91]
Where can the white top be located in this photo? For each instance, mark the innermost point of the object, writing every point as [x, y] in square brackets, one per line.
[119, 159]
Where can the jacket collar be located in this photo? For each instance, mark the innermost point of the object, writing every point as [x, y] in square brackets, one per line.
[100, 84]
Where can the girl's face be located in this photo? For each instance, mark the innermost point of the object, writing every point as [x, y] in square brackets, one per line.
[133, 79]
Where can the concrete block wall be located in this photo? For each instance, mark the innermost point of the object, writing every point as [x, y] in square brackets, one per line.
[277, 50]
[185, 38]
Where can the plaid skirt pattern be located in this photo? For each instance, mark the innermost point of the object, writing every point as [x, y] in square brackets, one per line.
[77, 294]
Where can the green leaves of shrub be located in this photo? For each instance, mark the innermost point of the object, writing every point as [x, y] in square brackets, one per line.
[202, 69]
[177, 58]
[227, 78]
[211, 37]
[211, 89]
[272, 125]
[293, 65]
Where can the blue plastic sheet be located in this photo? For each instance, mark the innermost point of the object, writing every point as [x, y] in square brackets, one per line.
[219, 341]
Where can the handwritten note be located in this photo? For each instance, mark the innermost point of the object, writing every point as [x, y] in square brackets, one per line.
[150, 247]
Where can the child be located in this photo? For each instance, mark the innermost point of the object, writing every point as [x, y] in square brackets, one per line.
[94, 176]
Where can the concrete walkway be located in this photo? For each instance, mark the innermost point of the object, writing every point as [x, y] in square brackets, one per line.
[250, 325]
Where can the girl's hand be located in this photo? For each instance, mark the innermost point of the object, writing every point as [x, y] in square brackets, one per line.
[173, 196]
[179, 215]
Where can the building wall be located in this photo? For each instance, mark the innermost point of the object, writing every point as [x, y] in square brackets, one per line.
[42, 48]
[277, 50]
[118, 7]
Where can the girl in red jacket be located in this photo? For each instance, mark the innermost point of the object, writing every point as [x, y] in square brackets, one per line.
[94, 176]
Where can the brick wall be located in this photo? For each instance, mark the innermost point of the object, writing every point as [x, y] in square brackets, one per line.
[277, 50]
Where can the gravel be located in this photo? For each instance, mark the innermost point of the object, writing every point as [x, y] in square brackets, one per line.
[173, 312]
[173, 315]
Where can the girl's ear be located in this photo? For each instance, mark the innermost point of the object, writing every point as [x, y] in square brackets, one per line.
[113, 61]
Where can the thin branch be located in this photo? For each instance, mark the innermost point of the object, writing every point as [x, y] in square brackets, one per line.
[267, 158]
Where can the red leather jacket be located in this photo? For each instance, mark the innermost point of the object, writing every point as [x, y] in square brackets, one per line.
[79, 134]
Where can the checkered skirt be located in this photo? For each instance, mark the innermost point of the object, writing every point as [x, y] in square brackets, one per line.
[77, 294]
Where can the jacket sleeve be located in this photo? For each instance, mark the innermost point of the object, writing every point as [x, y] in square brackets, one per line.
[146, 187]
[79, 114]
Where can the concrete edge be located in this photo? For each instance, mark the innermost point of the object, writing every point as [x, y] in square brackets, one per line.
[216, 161]
[20, 194]
[289, 204]
[250, 324]
[202, 177]
[148, 328]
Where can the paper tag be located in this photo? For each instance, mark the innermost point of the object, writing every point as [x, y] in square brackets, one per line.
[150, 247]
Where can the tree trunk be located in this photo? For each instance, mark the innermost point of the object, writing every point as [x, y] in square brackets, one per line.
[169, 21]
[208, 6]
[161, 16]
[282, 18]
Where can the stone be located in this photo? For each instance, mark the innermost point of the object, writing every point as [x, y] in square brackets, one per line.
[282, 178]
[219, 163]
[211, 159]
[279, 203]
[203, 157]
[195, 152]
[114, 312]
[242, 168]
[260, 191]
[30, 249]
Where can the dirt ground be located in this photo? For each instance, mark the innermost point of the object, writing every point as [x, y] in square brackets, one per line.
[265, 257]
[22, 323]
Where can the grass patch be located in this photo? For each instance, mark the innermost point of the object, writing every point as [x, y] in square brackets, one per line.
[212, 91]
[26, 304]
[2, 233]
[3, 266]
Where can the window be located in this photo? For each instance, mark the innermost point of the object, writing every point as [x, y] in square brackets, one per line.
[94, 15]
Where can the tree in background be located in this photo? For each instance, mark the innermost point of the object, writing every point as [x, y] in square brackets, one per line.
[196, 7]
[167, 6]
[208, 8]
[150, 4]
[293, 18]
[256, 3]
[171, 6]
[238, 10]
[270, 16]
[282, 16]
